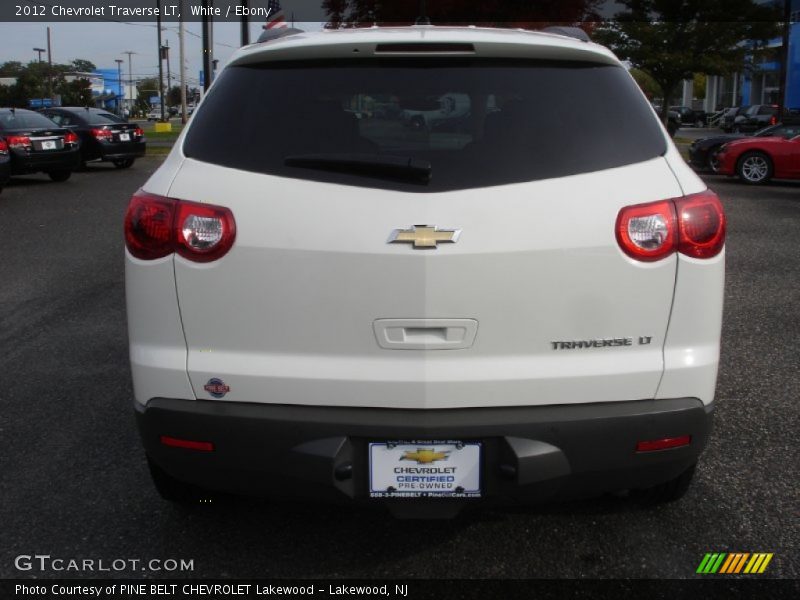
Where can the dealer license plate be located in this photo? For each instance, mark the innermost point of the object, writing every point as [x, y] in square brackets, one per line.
[424, 469]
[49, 145]
[124, 137]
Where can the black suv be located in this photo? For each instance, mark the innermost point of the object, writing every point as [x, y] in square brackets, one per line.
[757, 117]
[36, 144]
[104, 136]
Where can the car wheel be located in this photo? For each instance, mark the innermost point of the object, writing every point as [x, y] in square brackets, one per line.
[713, 160]
[669, 491]
[418, 123]
[737, 129]
[123, 163]
[699, 123]
[175, 490]
[754, 168]
[59, 175]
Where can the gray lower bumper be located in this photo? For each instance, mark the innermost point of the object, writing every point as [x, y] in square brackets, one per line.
[529, 453]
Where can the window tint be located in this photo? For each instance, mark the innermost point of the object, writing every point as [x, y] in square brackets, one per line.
[477, 123]
[24, 119]
[102, 118]
[767, 110]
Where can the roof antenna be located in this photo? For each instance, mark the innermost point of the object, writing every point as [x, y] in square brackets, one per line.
[423, 18]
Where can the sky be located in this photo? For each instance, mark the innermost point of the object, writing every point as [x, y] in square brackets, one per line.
[102, 43]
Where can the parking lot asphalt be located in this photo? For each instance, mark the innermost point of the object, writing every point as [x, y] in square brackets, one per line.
[74, 482]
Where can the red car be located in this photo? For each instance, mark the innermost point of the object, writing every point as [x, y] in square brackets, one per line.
[759, 159]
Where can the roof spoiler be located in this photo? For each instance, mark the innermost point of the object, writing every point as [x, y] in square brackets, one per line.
[278, 32]
[573, 32]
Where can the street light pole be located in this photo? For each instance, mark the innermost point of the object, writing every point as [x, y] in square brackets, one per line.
[40, 50]
[169, 74]
[119, 62]
[49, 68]
[130, 80]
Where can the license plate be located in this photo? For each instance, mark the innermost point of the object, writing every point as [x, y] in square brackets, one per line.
[49, 145]
[424, 469]
[124, 137]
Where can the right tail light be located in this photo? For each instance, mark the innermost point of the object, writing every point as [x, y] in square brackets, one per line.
[156, 226]
[693, 225]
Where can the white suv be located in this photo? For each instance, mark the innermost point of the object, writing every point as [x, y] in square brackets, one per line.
[526, 306]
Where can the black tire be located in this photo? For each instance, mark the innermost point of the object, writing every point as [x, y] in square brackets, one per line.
[123, 163]
[61, 175]
[174, 490]
[754, 167]
[669, 491]
[713, 162]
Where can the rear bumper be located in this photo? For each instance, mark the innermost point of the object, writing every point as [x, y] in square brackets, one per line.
[121, 150]
[57, 160]
[529, 454]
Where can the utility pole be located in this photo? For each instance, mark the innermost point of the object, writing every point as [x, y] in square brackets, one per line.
[245, 4]
[160, 64]
[182, 58]
[787, 14]
[119, 62]
[130, 81]
[207, 48]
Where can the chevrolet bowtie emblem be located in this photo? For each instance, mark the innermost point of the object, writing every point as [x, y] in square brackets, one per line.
[425, 456]
[424, 236]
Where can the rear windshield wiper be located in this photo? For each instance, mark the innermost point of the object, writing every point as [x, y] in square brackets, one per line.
[371, 165]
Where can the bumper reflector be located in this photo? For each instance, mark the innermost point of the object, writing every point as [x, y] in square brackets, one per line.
[663, 444]
[188, 444]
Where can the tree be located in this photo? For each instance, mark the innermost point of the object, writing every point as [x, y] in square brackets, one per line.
[650, 88]
[174, 96]
[76, 93]
[83, 66]
[146, 88]
[671, 40]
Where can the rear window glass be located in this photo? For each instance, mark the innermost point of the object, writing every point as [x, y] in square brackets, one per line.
[475, 123]
[103, 119]
[21, 119]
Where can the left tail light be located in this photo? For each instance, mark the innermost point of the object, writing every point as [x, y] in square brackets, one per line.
[3, 146]
[19, 142]
[156, 226]
[138, 132]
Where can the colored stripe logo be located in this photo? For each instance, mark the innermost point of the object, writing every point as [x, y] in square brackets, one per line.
[731, 563]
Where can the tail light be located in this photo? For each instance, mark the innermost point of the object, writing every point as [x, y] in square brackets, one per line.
[19, 142]
[70, 138]
[103, 134]
[773, 120]
[3, 147]
[693, 225]
[138, 132]
[156, 226]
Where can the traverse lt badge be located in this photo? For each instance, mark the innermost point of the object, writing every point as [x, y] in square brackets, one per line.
[424, 236]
